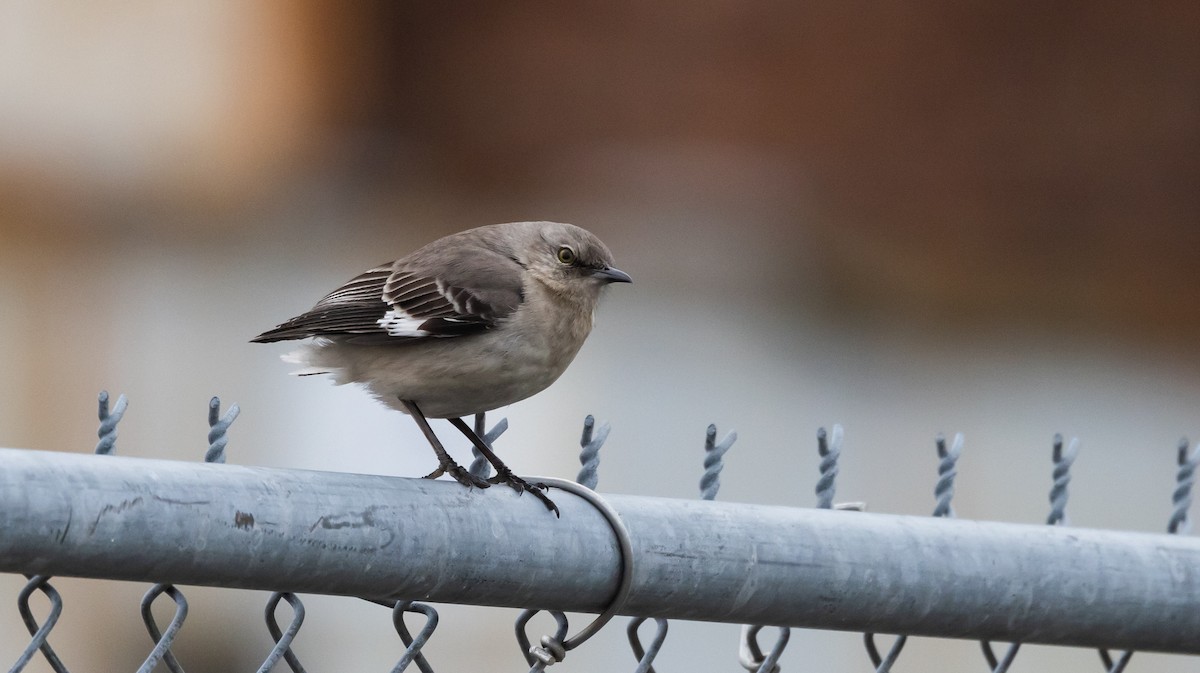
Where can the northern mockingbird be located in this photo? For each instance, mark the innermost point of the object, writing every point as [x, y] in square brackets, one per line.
[469, 323]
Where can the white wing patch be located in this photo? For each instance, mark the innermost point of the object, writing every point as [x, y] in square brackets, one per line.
[400, 324]
[416, 302]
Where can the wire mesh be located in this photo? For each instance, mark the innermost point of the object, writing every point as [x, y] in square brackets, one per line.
[552, 648]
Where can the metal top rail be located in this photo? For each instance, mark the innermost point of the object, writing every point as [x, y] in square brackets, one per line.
[395, 538]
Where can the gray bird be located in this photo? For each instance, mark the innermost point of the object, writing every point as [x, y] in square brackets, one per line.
[469, 323]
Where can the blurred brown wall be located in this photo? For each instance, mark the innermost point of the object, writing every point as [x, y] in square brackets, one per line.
[953, 159]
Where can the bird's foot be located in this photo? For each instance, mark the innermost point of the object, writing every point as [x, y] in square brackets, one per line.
[519, 485]
[459, 473]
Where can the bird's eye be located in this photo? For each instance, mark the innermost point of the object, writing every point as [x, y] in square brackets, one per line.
[566, 255]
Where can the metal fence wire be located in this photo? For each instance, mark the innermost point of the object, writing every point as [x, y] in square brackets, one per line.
[89, 516]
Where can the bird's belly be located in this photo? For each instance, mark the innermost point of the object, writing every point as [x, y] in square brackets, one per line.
[459, 381]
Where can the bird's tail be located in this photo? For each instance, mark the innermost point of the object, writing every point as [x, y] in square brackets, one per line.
[304, 358]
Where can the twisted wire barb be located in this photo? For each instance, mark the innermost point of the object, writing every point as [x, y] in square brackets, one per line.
[480, 467]
[1062, 477]
[829, 453]
[1181, 498]
[412, 646]
[590, 442]
[217, 427]
[714, 461]
[107, 433]
[943, 491]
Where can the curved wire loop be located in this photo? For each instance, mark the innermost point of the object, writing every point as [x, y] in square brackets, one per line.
[41, 632]
[999, 665]
[646, 655]
[530, 652]
[283, 639]
[163, 640]
[1118, 665]
[412, 652]
[750, 654]
[883, 664]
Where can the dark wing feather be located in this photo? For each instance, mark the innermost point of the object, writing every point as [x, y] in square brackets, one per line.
[450, 292]
[449, 288]
[353, 309]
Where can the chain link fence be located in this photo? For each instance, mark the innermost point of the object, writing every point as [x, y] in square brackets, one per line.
[373, 538]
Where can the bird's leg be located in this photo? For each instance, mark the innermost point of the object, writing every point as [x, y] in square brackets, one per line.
[503, 473]
[446, 464]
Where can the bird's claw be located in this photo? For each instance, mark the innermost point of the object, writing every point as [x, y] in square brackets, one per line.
[521, 486]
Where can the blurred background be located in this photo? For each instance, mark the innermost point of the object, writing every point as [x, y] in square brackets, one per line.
[907, 218]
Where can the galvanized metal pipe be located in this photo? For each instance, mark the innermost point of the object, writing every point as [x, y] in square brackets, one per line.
[384, 537]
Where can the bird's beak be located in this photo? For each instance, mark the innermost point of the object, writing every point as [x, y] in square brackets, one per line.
[611, 275]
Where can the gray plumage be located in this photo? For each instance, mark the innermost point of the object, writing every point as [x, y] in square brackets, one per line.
[468, 323]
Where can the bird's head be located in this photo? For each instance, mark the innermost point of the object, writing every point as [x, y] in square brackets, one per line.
[570, 261]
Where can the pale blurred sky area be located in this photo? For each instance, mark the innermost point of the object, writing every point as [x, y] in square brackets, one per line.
[906, 218]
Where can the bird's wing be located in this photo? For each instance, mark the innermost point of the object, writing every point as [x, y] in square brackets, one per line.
[459, 290]
[464, 292]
